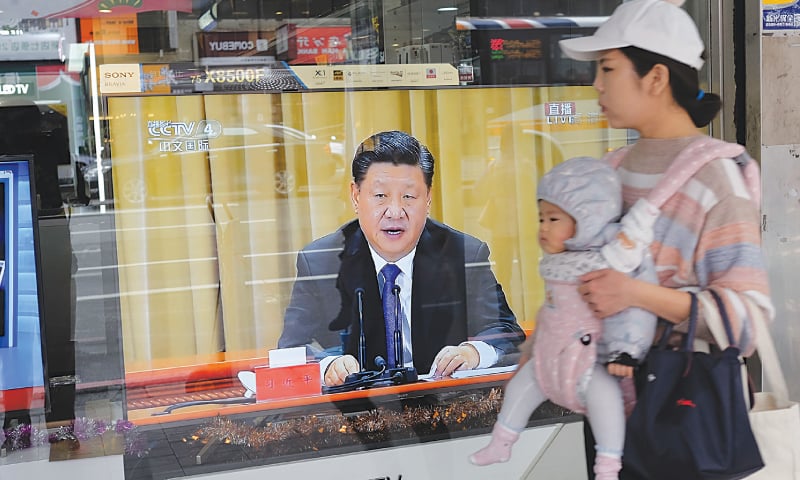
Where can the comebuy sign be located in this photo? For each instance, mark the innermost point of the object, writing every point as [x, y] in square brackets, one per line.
[120, 78]
[240, 45]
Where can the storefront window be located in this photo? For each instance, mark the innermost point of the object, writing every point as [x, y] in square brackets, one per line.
[193, 152]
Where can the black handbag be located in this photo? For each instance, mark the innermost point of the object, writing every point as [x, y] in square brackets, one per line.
[690, 420]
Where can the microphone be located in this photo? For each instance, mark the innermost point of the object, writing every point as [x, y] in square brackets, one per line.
[385, 374]
[398, 330]
[380, 362]
[362, 341]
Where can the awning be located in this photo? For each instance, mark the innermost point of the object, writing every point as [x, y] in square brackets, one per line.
[22, 9]
[508, 23]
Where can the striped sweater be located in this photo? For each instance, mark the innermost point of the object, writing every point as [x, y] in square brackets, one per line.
[708, 234]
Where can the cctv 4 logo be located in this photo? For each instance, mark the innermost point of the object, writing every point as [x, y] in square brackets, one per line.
[172, 129]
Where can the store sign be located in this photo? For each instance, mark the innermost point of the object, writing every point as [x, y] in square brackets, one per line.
[117, 35]
[466, 74]
[18, 82]
[240, 47]
[321, 45]
[120, 78]
[780, 15]
[31, 46]
[15, 89]
[506, 49]
[312, 45]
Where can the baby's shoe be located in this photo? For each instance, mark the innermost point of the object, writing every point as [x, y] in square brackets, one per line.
[499, 448]
[607, 467]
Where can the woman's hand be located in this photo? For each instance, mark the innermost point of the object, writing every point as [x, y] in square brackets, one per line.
[607, 291]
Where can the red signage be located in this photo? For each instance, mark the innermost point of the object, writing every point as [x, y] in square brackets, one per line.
[287, 382]
[317, 45]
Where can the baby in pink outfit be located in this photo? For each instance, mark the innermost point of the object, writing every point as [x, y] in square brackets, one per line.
[580, 203]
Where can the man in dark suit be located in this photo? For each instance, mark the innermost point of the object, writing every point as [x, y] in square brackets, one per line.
[454, 313]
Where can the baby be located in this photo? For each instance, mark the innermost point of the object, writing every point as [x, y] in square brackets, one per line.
[580, 203]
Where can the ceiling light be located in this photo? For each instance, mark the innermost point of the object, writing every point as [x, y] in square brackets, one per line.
[447, 9]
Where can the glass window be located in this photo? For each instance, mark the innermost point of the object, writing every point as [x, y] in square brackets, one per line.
[193, 153]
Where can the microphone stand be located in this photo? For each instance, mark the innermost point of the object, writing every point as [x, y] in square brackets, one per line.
[398, 330]
[362, 341]
[400, 373]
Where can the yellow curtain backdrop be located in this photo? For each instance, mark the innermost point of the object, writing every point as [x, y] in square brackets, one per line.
[278, 177]
[166, 246]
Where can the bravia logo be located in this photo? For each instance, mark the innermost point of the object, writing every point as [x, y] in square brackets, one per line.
[682, 402]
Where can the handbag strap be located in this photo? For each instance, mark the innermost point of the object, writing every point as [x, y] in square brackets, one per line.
[771, 367]
[726, 321]
[688, 344]
[689, 341]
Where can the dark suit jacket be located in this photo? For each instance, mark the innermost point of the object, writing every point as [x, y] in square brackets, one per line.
[455, 296]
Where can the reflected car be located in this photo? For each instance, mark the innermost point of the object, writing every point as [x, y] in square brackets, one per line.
[89, 172]
[325, 155]
[331, 165]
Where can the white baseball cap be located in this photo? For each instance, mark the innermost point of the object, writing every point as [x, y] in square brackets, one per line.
[658, 26]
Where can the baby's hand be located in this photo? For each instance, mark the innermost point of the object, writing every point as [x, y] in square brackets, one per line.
[619, 370]
[621, 364]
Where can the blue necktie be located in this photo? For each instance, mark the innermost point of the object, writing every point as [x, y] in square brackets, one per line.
[390, 272]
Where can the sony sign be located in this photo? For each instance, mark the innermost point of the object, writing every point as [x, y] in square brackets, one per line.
[120, 78]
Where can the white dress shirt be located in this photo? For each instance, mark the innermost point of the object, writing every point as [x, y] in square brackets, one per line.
[487, 353]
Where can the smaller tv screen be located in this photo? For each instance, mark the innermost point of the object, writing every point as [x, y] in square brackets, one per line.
[20, 330]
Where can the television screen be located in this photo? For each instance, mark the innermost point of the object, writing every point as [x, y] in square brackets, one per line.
[20, 332]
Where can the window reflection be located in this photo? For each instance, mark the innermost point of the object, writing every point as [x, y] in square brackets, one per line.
[233, 151]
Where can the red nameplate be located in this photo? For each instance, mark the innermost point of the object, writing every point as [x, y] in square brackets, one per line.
[287, 382]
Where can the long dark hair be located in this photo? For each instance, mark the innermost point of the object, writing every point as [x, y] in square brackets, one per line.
[684, 81]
